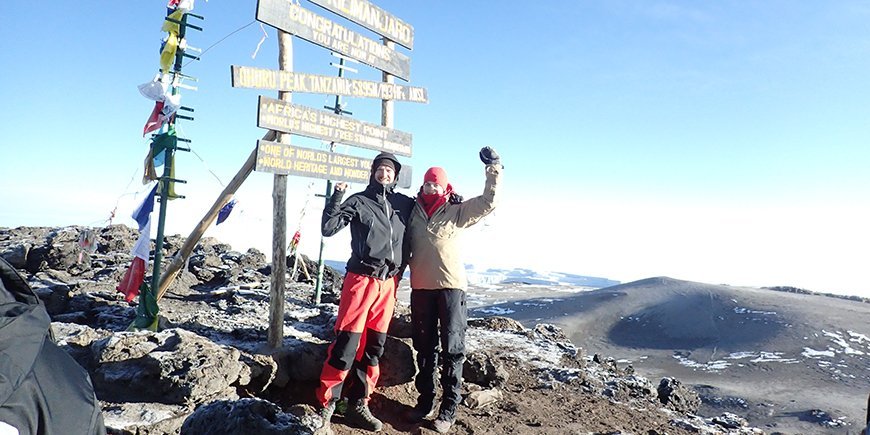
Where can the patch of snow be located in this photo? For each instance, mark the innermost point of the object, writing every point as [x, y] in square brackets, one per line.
[302, 313]
[741, 310]
[494, 311]
[858, 338]
[839, 340]
[762, 357]
[740, 355]
[812, 353]
[772, 357]
[711, 366]
[539, 353]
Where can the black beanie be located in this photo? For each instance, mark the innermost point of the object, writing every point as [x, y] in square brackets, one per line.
[388, 159]
[384, 162]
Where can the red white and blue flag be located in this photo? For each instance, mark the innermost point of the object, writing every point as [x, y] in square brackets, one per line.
[135, 275]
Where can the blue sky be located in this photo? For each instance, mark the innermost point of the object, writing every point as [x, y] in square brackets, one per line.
[722, 142]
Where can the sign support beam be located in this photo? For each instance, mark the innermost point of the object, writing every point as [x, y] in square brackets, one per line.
[279, 216]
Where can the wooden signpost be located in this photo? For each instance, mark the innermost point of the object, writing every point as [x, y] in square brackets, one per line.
[283, 118]
[286, 15]
[373, 18]
[304, 121]
[281, 158]
[260, 78]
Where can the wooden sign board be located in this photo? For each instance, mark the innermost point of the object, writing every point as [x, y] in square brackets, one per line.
[373, 18]
[279, 158]
[260, 78]
[292, 18]
[304, 121]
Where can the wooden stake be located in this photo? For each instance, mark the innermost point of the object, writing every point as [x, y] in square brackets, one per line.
[184, 253]
[387, 106]
[279, 216]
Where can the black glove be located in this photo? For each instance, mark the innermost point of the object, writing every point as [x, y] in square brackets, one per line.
[455, 198]
[489, 157]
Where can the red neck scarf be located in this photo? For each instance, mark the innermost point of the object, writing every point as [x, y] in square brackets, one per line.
[433, 201]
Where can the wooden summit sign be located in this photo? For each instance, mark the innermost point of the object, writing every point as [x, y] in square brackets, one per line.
[292, 18]
[286, 159]
[259, 78]
[304, 121]
[373, 18]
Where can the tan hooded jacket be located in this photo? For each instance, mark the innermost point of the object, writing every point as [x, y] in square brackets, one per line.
[435, 261]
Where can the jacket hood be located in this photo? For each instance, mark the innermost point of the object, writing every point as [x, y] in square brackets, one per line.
[388, 156]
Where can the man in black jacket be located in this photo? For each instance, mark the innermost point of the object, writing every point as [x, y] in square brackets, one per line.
[43, 391]
[377, 218]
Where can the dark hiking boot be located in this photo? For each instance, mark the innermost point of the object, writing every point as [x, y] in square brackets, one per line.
[424, 409]
[326, 413]
[359, 415]
[445, 421]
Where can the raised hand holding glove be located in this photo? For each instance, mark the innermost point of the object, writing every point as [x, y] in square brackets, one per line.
[489, 157]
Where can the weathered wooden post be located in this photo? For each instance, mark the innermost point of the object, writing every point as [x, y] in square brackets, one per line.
[195, 235]
[388, 106]
[279, 214]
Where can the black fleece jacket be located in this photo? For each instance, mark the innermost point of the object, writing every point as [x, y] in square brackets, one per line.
[377, 217]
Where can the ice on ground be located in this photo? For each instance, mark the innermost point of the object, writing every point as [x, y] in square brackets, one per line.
[741, 310]
[812, 353]
[493, 311]
[762, 357]
[539, 353]
[840, 340]
[302, 313]
[722, 364]
[711, 366]
[772, 357]
[740, 355]
[858, 338]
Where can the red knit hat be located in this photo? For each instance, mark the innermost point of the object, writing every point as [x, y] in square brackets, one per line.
[436, 175]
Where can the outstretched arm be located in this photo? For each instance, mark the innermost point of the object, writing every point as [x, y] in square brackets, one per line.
[336, 215]
[473, 210]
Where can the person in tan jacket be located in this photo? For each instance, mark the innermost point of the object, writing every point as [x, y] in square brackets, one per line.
[438, 285]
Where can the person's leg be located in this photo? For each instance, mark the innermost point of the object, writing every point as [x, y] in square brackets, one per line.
[366, 369]
[453, 315]
[424, 333]
[380, 311]
[349, 325]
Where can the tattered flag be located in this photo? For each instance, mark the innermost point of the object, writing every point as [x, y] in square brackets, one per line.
[135, 274]
[156, 120]
[142, 214]
[225, 211]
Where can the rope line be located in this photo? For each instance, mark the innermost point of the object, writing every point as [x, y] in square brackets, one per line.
[219, 41]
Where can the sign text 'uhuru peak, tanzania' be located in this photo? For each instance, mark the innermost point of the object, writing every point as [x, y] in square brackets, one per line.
[292, 18]
[373, 18]
[260, 78]
[286, 159]
[319, 124]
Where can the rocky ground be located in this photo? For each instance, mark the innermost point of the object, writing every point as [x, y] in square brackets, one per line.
[209, 371]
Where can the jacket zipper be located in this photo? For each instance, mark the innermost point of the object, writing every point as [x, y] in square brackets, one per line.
[388, 212]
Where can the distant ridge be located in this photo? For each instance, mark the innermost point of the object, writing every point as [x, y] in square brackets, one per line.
[668, 281]
[532, 277]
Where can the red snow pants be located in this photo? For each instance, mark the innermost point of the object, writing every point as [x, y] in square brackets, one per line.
[364, 313]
